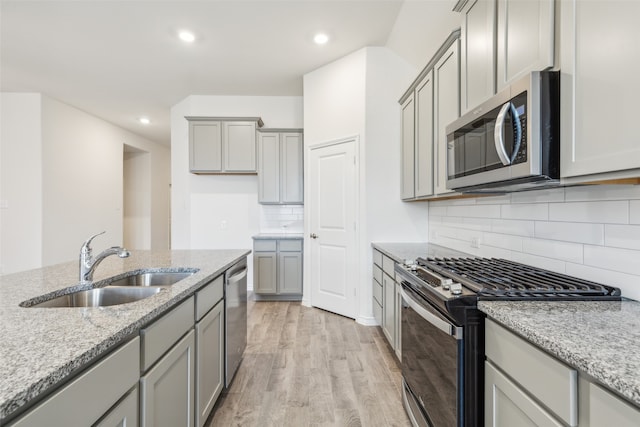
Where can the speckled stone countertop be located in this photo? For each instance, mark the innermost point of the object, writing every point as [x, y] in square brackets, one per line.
[279, 236]
[601, 339]
[43, 346]
[400, 252]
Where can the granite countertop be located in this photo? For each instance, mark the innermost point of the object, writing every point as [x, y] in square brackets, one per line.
[44, 346]
[278, 236]
[400, 252]
[601, 339]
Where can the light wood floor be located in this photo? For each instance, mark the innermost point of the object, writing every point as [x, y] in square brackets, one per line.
[308, 367]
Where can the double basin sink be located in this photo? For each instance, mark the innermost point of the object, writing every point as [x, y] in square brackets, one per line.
[116, 291]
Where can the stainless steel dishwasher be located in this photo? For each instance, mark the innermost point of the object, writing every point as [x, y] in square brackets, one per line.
[235, 315]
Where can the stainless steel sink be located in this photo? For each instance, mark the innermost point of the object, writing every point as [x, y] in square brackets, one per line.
[158, 278]
[100, 297]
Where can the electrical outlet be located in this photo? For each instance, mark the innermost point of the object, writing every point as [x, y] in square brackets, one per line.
[433, 234]
[223, 225]
[475, 242]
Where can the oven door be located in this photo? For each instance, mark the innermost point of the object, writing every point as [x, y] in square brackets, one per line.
[432, 351]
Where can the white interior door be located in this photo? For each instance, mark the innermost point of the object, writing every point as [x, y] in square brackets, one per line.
[332, 242]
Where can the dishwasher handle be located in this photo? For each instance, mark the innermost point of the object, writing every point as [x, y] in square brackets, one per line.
[238, 276]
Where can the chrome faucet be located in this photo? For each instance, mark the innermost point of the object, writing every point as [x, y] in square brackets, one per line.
[88, 264]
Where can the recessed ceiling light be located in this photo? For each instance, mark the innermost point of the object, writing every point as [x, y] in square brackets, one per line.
[321, 38]
[186, 36]
[144, 120]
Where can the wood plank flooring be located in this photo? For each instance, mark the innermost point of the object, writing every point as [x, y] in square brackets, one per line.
[308, 367]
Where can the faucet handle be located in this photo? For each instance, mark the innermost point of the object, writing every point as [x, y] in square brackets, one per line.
[85, 246]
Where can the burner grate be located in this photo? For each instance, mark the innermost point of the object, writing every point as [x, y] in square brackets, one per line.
[500, 278]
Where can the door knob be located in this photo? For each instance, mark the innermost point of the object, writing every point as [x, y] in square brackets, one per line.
[313, 235]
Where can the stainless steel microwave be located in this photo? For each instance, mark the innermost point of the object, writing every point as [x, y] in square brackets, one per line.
[511, 142]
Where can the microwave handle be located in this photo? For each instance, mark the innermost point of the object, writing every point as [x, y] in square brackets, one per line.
[497, 133]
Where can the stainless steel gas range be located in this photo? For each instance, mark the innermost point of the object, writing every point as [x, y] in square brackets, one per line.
[443, 331]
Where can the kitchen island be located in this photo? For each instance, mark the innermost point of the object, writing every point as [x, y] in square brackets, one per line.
[43, 348]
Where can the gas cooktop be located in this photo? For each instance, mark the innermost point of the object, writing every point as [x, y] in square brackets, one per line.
[495, 279]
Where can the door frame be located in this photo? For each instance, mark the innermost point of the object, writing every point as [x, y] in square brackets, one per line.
[306, 276]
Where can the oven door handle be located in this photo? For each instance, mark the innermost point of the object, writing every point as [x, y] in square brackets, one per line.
[444, 326]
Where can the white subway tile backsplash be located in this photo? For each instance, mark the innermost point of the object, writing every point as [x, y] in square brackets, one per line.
[601, 192]
[571, 232]
[622, 260]
[609, 212]
[494, 252]
[536, 211]
[539, 261]
[564, 251]
[622, 236]
[483, 224]
[634, 212]
[513, 226]
[504, 241]
[494, 200]
[435, 210]
[475, 211]
[539, 196]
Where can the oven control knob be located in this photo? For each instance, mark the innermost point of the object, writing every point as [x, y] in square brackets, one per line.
[456, 288]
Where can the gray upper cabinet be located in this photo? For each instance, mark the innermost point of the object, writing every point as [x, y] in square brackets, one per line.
[223, 145]
[424, 137]
[477, 53]
[525, 38]
[280, 166]
[446, 108]
[599, 86]
[408, 148]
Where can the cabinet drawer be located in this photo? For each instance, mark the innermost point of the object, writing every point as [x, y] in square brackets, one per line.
[290, 245]
[264, 245]
[377, 292]
[377, 312]
[377, 274]
[605, 409]
[208, 297]
[387, 265]
[377, 258]
[105, 383]
[164, 332]
[545, 378]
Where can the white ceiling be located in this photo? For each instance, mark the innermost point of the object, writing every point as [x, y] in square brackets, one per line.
[120, 60]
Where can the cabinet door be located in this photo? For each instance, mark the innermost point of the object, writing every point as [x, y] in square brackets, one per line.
[269, 167]
[424, 138]
[388, 309]
[264, 272]
[408, 153]
[124, 414]
[291, 174]
[599, 87]
[506, 405]
[290, 273]
[239, 147]
[209, 362]
[605, 409]
[166, 391]
[525, 38]
[205, 146]
[477, 53]
[446, 108]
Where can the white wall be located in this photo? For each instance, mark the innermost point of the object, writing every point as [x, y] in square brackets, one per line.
[358, 96]
[80, 181]
[592, 232]
[20, 182]
[201, 204]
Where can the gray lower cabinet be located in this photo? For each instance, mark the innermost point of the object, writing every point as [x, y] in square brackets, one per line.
[209, 362]
[386, 299]
[277, 268]
[98, 389]
[167, 390]
[124, 414]
[280, 166]
[222, 144]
